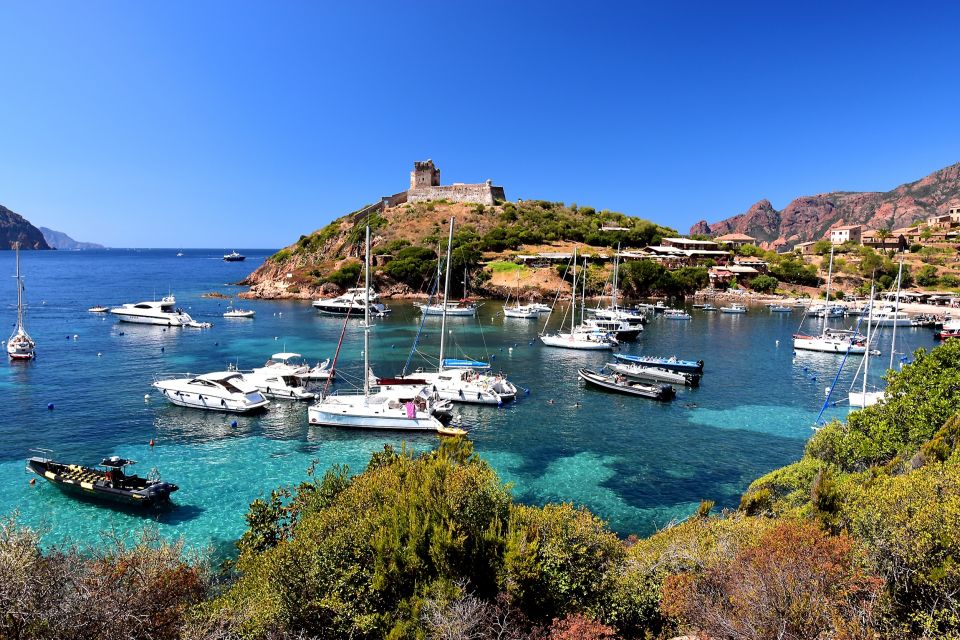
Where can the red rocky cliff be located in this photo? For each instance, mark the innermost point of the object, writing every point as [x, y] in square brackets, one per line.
[810, 217]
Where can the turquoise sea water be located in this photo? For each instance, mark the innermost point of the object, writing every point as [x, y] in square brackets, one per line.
[637, 463]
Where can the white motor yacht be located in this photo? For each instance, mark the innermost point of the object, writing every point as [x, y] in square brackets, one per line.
[280, 383]
[217, 391]
[161, 312]
[890, 317]
[233, 312]
[736, 307]
[299, 366]
[466, 386]
[20, 346]
[826, 310]
[352, 302]
[539, 307]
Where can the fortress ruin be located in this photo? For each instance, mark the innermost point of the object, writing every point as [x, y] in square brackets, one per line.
[425, 185]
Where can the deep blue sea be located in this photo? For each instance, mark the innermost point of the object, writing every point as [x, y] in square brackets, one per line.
[637, 463]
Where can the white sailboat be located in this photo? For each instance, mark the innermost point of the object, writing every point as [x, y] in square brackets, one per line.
[615, 312]
[583, 338]
[20, 346]
[524, 312]
[865, 398]
[406, 408]
[830, 340]
[452, 381]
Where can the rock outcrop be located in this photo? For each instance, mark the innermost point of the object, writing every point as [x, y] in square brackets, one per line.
[14, 229]
[810, 217]
[60, 240]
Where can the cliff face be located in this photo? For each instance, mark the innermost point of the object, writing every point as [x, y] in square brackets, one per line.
[15, 228]
[60, 240]
[810, 217]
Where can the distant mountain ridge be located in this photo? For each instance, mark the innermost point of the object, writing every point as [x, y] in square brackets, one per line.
[810, 217]
[60, 240]
[14, 229]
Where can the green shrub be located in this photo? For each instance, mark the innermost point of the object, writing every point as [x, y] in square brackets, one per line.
[764, 284]
[347, 275]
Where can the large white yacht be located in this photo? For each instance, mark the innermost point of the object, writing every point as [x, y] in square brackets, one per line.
[352, 302]
[161, 312]
[217, 391]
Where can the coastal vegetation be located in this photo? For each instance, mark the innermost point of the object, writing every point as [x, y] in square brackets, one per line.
[858, 539]
[407, 239]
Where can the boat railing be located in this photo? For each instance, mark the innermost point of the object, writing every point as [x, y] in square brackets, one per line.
[46, 455]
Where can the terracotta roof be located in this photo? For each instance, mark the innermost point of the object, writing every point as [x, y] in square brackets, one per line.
[846, 227]
[734, 237]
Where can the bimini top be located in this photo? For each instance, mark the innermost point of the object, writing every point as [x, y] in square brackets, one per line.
[285, 356]
[454, 363]
[116, 462]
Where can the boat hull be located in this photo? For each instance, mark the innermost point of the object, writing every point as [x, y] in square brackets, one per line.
[173, 321]
[568, 342]
[210, 402]
[827, 346]
[662, 392]
[97, 490]
[334, 416]
[868, 399]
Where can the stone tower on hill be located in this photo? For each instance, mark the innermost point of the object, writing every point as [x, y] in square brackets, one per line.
[425, 185]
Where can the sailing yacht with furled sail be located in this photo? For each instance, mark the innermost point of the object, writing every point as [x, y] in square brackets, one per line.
[865, 398]
[461, 381]
[583, 337]
[406, 408]
[831, 340]
[20, 346]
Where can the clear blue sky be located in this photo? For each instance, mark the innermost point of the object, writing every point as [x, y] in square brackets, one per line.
[245, 124]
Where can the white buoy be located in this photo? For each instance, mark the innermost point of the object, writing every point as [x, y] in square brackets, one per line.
[778, 343]
[146, 397]
[76, 337]
[826, 391]
[99, 354]
[509, 349]
[276, 337]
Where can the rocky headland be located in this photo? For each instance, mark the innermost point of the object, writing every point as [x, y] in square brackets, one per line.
[406, 240]
[15, 229]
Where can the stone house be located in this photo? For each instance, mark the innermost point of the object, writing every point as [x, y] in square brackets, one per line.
[735, 240]
[897, 242]
[845, 233]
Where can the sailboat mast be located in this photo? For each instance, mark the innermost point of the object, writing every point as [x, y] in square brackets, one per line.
[573, 298]
[446, 291]
[583, 287]
[616, 274]
[19, 293]
[866, 355]
[896, 313]
[366, 320]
